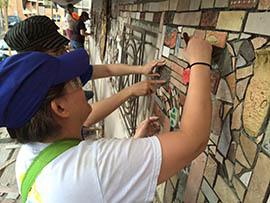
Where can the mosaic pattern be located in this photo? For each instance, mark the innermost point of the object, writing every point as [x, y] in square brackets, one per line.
[235, 165]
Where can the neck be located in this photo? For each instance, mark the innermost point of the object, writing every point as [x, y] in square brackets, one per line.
[64, 134]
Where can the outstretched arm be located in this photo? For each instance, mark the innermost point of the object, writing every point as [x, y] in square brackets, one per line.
[104, 107]
[107, 70]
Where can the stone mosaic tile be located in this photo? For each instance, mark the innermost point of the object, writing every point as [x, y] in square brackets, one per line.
[174, 181]
[230, 49]
[169, 190]
[245, 178]
[226, 110]
[257, 99]
[190, 18]
[258, 23]
[243, 3]
[229, 168]
[266, 140]
[160, 191]
[241, 61]
[178, 85]
[157, 17]
[259, 138]
[258, 42]
[181, 185]
[216, 119]
[149, 16]
[210, 170]
[209, 18]
[236, 118]
[219, 157]
[225, 138]
[241, 88]
[232, 151]
[216, 38]
[201, 197]
[195, 178]
[173, 5]
[246, 50]
[170, 37]
[207, 4]
[230, 20]
[264, 5]
[214, 138]
[231, 83]
[249, 149]
[244, 72]
[239, 188]
[221, 3]
[194, 4]
[259, 183]
[209, 192]
[224, 192]
[168, 17]
[166, 51]
[223, 92]
[183, 5]
[241, 158]
[238, 168]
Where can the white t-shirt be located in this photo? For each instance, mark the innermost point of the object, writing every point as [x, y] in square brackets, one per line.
[105, 170]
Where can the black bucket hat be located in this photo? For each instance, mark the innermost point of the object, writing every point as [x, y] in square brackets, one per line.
[34, 33]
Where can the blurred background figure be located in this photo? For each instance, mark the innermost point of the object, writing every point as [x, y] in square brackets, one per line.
[70, 20]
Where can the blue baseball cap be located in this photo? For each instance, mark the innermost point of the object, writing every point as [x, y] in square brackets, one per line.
[26, 78]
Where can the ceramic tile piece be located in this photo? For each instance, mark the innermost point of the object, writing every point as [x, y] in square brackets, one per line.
[195, 178]
[166, 51]
[258, 23]
[249, 148]
[257, 100]
[215, 78]
[183, 5]
[266, 140]
[173, 5]
[207, 4]
[230, 49]
[229, 167]
[232, 151]
[223, 92]
[233, 36]
[194, 4]
[258, 42]
[259, 183]
[230, 20]
[190, 18]
[236, 118]
[231, 83]
[264, 5]
[170, 37]
[246, 50]
[209, 18]
[157, 17]
[225, 138]
[239, 187]
[210, 170]
[245, 36]
[221, 3]
[208, 192]
[216, 119]
[219, 157]
[259, 138]
[168, 196]
[241, 158]
[224, 191]
[244, 72]
[201, 197]
[238, 168]
[241, 61]
[168, 17]
[174, 181]
[226, 110]
[243, 4]
[245, 178]
[241, 88]
[214, 138]
[217, 38]
[149, 16]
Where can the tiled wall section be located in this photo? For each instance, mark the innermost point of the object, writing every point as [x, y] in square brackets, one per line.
[235, 165]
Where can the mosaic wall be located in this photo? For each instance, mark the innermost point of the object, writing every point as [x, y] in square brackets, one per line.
[235, 165]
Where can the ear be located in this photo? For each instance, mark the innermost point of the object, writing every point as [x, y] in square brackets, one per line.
[59, 108]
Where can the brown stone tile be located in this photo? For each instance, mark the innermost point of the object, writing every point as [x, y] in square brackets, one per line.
[207, 4]
[236, 118]
[194, 5]
[157, 17]
[209, 192]
[182, 98]
[168, 17]
[249, 149]
[216, 119]
[264, 5]
[215, 78]
[226, 110]
[173, 5]
[230, 20]
[258, 42]
[217, 38]
[195, 178]
[210, 170]
[257, 98]
[239, 188]
[232, 83]
[225, 138]
[243, 4]
[190, 18]
[244, 72]
[223, 92]
[183, 5]
[241, 88]
[229, 168]
[259, 180]
[209, 18]
[241, 158]
[221, 3]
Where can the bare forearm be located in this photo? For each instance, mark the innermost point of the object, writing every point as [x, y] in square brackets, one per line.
[103, 108]
[196, 117]
[107, 70]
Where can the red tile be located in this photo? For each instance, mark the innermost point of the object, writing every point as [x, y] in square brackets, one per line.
[170, 37]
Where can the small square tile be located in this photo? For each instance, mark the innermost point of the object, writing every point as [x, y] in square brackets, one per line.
[264, 5]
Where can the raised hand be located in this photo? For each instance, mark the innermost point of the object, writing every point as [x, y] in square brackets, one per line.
[145, 87]
[148, 68]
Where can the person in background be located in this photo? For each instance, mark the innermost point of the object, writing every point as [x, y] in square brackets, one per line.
[38, 92]
[70, 20]
[79, 32]
[39, 33]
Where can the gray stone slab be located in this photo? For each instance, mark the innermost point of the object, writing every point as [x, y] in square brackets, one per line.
[258, 23]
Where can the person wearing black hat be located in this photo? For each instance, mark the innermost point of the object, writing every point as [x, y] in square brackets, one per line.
[39, 33]
[79, 32]
[55, 164]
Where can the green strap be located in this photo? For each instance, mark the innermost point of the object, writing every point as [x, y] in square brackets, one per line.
[45, 156]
